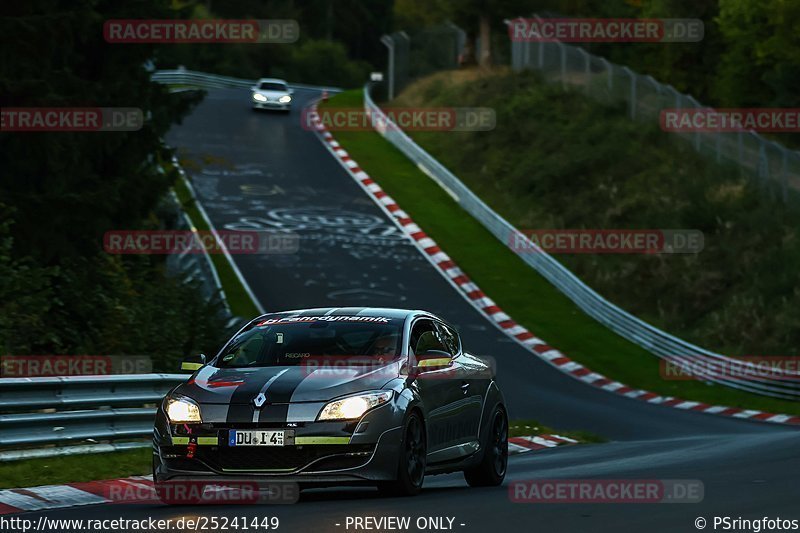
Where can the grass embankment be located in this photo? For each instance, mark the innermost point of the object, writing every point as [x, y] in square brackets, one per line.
[518, 289]
[527, 428]
[75, 468]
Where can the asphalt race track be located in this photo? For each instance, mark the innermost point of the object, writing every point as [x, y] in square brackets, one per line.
[263, 171]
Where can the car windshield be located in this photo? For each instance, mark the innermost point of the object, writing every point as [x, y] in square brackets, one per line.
[272, 86]
[289, 341]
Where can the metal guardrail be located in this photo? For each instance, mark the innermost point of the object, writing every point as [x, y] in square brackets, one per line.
[785, 385]
[77, 410]
[198, 267]
[203, 80]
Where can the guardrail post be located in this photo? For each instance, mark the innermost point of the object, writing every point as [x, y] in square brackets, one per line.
[525, 59]
[388, 42]
[632, 92]
[609, 75]
[785, 174]
[587, 67]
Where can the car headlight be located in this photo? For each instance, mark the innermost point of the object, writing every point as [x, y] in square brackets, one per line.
[181, 410]
[259, 97]
[353, 407]
[285, 99]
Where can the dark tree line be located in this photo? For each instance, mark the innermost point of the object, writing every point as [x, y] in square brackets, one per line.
[750, 54]
[61, 191]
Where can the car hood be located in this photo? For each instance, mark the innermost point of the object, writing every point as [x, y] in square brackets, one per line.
[284, 384]
[272, 94]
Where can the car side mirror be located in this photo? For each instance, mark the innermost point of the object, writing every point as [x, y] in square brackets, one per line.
[432, 360]
[194, 363]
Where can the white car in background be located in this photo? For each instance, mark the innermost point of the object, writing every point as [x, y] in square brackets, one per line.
[272, 93]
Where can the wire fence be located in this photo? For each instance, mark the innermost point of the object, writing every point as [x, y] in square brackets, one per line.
[645, 98]
[417, 53]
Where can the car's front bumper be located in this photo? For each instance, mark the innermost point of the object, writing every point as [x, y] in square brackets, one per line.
[336, 452]
[272, 105]
[311, 463]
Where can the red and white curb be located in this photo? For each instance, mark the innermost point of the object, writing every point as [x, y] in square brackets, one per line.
[473, 294]
[139, 489]
[518, 445]
[128, 490]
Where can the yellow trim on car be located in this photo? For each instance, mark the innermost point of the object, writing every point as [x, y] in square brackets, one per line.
[321, 440]
[207, 441]
[180, 440]
[441, 361]
[191, 366]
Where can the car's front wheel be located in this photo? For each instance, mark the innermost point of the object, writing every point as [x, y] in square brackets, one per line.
[491, 470]
[412, 461]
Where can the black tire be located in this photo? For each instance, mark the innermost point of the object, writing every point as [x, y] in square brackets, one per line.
[412, 460]
[491, 471]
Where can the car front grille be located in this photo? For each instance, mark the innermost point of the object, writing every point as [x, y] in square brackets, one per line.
[285, 458]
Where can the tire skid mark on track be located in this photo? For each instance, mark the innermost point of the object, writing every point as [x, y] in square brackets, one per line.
[486, 306]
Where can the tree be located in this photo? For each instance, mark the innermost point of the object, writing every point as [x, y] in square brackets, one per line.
[70, 188]
[760, 65]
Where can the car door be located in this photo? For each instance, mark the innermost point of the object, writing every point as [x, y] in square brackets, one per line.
[468, 383]
[433, 386]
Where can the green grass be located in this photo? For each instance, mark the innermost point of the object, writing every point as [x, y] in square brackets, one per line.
[517, 288]
[240, 302]
[75, 468]
[557, 159]
[527, 428]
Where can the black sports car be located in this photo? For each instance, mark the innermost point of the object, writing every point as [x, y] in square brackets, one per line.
[336, 396]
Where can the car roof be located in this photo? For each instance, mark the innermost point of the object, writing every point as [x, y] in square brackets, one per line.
[272, 80]
[388, 312]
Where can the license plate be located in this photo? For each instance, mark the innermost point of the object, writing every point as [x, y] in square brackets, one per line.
[257, 437]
